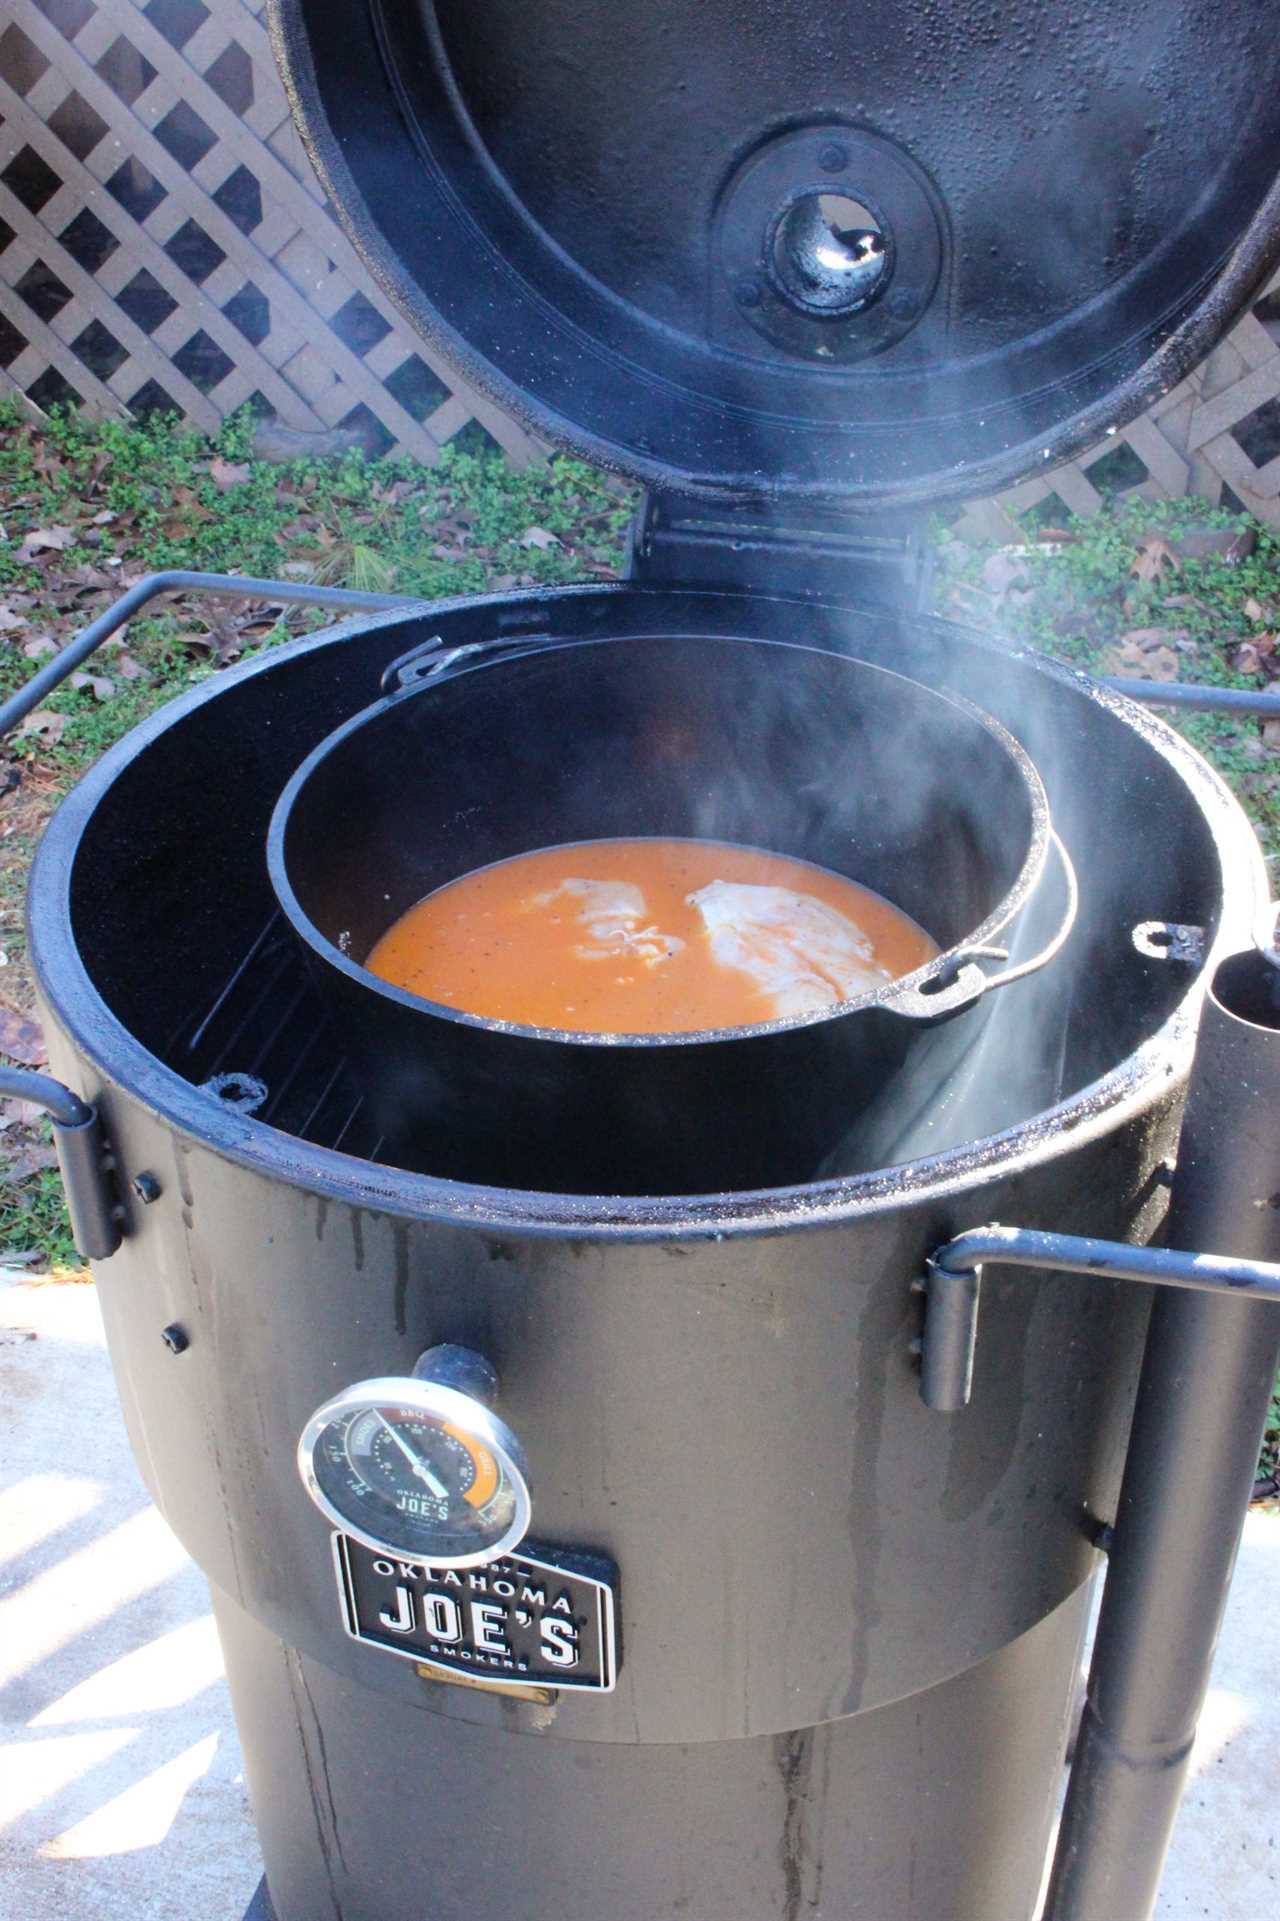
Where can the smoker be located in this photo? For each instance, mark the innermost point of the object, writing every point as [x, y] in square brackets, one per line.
[755, 1466]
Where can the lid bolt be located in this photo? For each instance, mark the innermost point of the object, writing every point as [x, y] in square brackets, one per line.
[833, 158]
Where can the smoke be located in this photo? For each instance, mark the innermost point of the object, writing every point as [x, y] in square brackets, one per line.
[1044, 183]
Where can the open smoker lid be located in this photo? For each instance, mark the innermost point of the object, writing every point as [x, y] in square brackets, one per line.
[877, 254]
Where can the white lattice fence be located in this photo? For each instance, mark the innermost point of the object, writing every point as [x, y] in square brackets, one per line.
[164, 243]
[1216, 435]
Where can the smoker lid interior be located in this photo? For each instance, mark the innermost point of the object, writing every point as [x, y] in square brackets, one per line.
[618, 219]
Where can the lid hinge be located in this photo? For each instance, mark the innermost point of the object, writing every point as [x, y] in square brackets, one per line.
[879, 560]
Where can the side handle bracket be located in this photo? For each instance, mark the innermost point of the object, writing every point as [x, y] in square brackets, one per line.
[83, 1159]
[953, 1285]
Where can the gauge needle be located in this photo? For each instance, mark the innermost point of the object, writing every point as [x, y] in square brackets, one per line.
[419, 1467]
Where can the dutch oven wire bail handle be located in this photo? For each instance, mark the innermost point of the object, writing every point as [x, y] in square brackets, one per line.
[964, 982]
[430, 660]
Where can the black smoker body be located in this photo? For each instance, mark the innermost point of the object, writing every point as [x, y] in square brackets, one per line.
[849, 1631]
[848, 1624]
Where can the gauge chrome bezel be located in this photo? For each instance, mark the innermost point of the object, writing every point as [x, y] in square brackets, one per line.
[438, 1403]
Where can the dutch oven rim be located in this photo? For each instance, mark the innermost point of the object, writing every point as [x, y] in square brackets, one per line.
[121, 1067]
[940, 968]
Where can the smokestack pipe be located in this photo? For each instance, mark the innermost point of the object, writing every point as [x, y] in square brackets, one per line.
[1201, 1409]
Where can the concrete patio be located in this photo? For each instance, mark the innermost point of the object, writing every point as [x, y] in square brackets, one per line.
[121, 1791]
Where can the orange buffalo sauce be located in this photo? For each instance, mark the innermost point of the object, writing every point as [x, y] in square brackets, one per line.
[648, 937]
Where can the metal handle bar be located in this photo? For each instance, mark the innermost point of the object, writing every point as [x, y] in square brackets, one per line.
[59, 1103]
[954, 1281]
[1197, 695]
[83, 1160]
[218, 586]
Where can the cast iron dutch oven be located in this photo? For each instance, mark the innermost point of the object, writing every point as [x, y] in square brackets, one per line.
[472, 757]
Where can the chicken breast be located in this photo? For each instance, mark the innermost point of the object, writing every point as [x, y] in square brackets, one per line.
[612, 911]
[800, 954]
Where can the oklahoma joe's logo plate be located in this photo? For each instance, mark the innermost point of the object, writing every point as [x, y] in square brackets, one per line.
[544, 1619]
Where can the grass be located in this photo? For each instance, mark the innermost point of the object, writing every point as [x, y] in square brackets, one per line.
[141, 497]
[34, 1228]
[1128, 592]
[1142, 588]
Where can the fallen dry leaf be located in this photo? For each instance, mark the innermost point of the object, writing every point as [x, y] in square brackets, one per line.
[221, 638]
[45, 540]
[102, 687]
[9, 620]
[38, 646]
[225, 636]
[21, 1038]
[393, 493]
[47, 725]
[1271, 732]
[538, 537]
[105, 518]
[28, 1161]
[226, 474]
[187, 504]
[87, 576]
[1145, 653]
[1155, 557]
[128, 667]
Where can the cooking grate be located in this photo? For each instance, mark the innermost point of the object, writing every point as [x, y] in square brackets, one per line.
[265, 1045]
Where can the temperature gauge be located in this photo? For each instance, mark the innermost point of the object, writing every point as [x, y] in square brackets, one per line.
[419, 1466]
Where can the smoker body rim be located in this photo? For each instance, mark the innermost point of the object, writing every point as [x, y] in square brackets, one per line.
[886, 998]
[123, 1066]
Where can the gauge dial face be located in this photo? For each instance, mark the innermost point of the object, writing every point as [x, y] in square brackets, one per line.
[403, 1469]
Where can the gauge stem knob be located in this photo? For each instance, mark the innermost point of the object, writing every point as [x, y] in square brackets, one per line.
[420, 1466]
[460, 1368]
